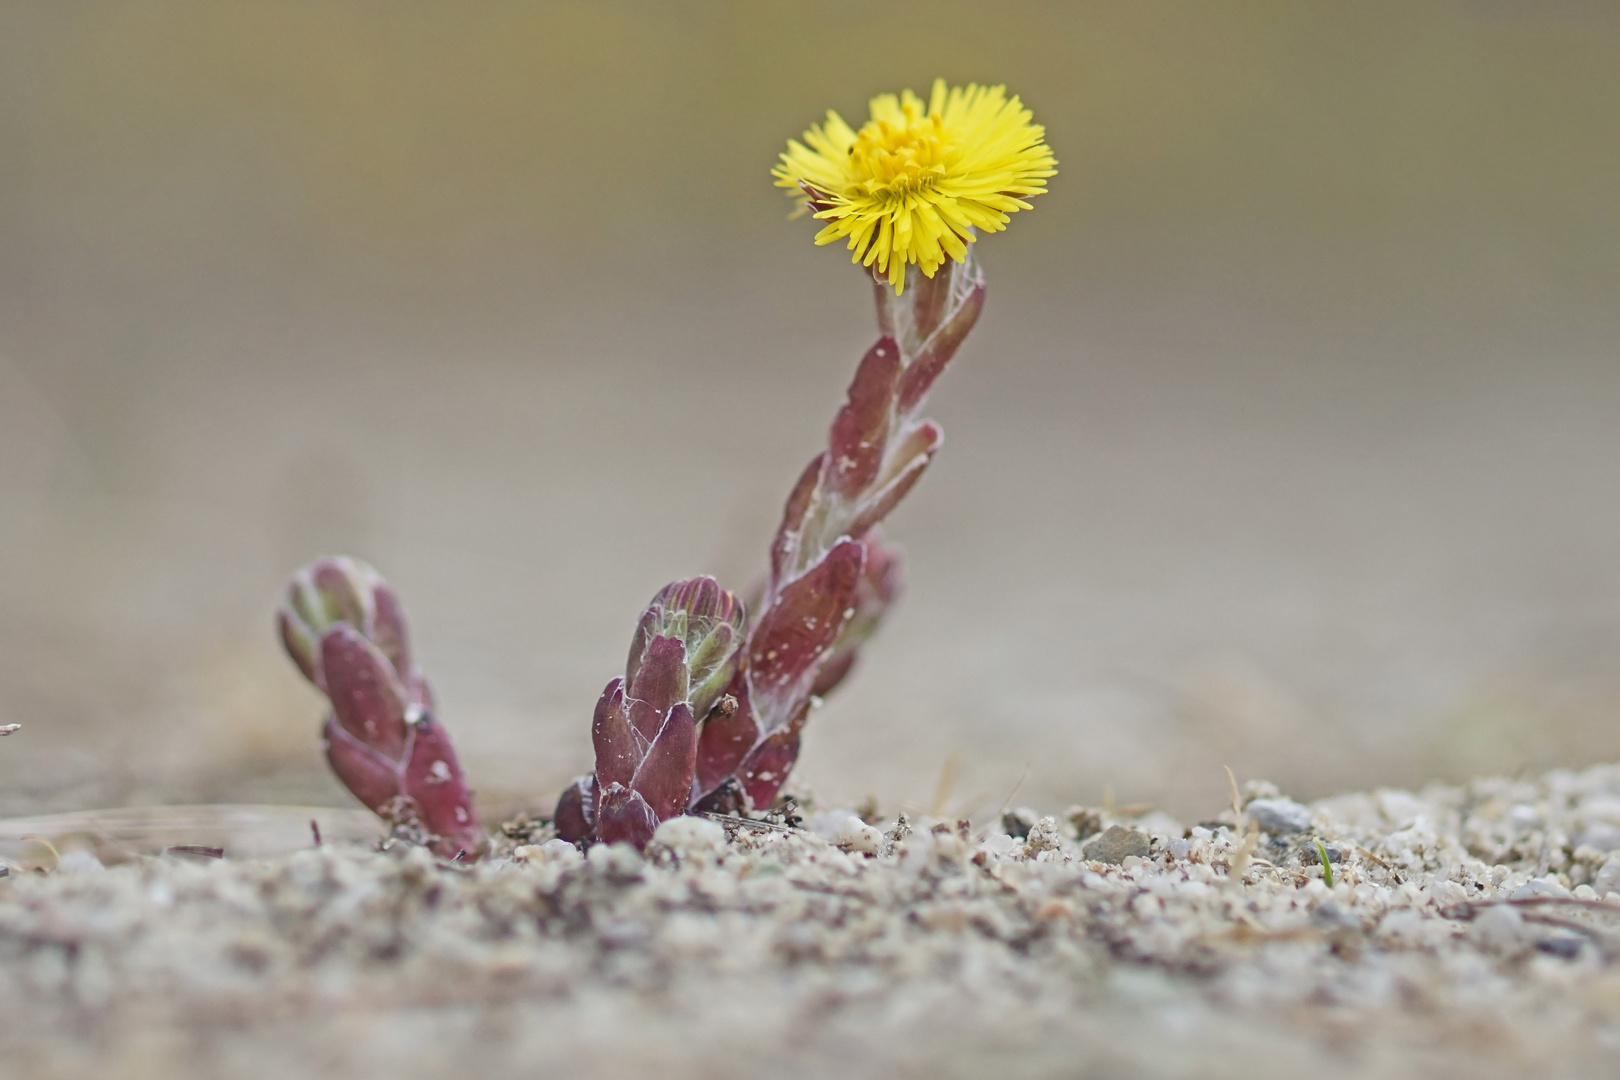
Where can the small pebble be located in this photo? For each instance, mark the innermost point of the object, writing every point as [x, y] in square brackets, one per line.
[1331, 915]
[1115, 844]
[1280, 817]
[1601, 837]
[1539, 887]
[552, 851]
[78, 862]
[1608, 878]
[1501, 929]
[616, 860]
[1564, 946]
[856, 835]
[690, 836]
[1042, 836]
[1018, 821]
[1524, 816]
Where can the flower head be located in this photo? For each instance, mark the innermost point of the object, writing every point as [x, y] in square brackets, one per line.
[913, 183]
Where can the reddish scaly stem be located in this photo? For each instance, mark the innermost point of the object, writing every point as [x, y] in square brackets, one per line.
[342, 625]
[832, 577]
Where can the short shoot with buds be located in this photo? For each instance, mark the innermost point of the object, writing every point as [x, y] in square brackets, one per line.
[344, 628]
[684, 654]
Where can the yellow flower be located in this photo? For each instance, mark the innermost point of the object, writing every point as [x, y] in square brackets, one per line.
[912, 185]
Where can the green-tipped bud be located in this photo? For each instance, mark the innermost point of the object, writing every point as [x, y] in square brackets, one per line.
[709, 621]
[335, 590]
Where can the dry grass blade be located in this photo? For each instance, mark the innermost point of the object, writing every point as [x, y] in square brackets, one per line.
[749, 823]
[948, 774]
[1239, 863]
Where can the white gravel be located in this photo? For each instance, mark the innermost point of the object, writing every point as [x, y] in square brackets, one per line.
[1464, 935]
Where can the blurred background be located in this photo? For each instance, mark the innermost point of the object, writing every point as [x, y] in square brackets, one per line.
[1288, 439]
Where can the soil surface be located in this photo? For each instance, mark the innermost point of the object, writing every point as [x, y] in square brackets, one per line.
[1464, 933]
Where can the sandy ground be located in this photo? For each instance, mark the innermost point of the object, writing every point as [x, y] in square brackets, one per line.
[1464, 933]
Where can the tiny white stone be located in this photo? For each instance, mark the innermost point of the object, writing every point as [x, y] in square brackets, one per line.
[1607, 879]
[689, 836]
[558, 852]
[1539, 887]
[1000, 844]
[78, 862]
[1602, 836]
[1523, 815]
[857, 835]
[1501, 928]
[617, 858]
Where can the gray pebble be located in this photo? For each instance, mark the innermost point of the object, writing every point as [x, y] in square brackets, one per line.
[1603, 836]
[1331, 915]
[1280, 817]
[1116, 844]
[1564, 946]
[1018, 821]
[1539, 887]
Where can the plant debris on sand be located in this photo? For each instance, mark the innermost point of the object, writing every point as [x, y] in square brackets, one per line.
[1465, 934]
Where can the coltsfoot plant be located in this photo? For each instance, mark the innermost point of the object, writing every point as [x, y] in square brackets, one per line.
[709, 714]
